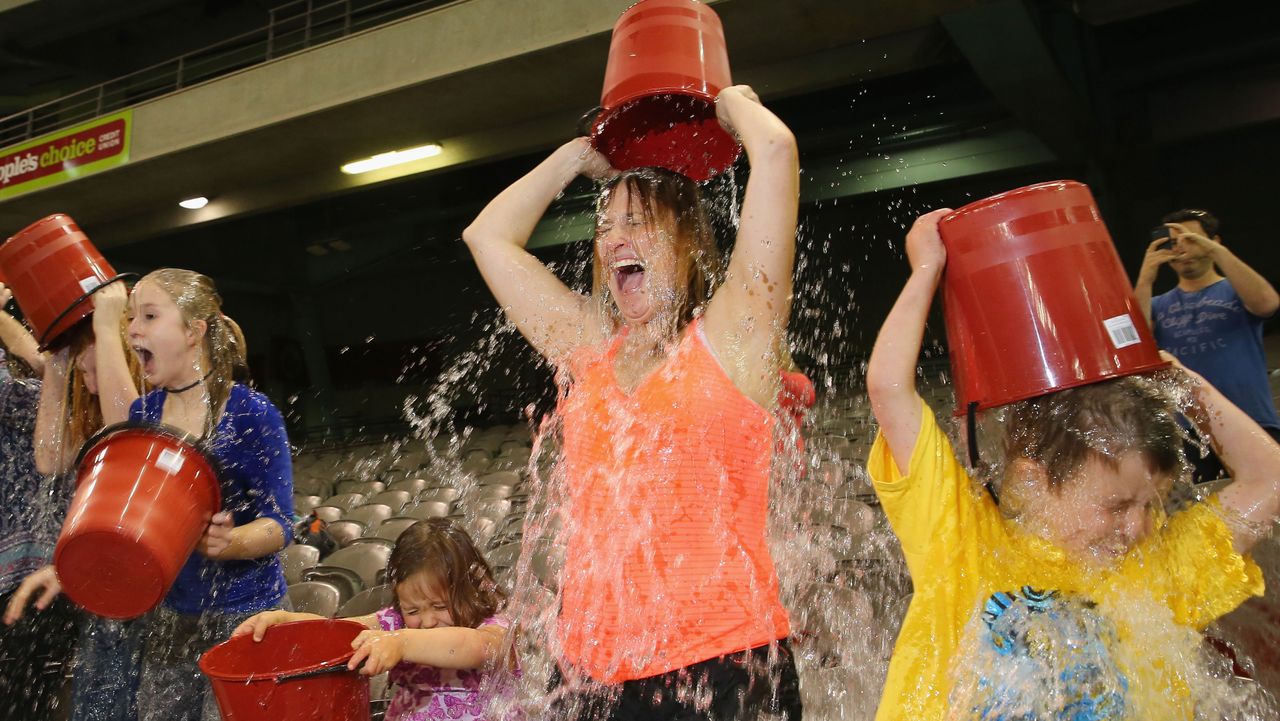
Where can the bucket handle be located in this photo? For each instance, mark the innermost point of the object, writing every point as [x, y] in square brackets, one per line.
[44, 342]
[198, 445]
[971, 414]
[588, 120]
[323, 671]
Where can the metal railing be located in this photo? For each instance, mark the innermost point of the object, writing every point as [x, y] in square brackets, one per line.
[291, 27]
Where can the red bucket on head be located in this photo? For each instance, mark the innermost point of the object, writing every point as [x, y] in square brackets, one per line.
[144, 496]
[250, 678]
[53, 269]
[667, 64]
[1036, 299]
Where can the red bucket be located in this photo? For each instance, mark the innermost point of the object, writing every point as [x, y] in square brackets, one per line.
[144, 496]
[1036, 299]
[53, 269]
[254, 680]
[667, 64]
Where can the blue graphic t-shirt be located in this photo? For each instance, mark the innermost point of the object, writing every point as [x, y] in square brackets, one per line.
[1213, 334]
[1039, 656]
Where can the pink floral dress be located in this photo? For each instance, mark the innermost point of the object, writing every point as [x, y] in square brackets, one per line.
[427, 693]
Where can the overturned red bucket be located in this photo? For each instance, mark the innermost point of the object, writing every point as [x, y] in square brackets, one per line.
[144, 496]
[1036, 299]
[667, 63]
[297, 672]
[53, 270]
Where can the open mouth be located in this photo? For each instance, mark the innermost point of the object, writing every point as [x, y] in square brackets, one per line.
[628, 275]
[145, 357]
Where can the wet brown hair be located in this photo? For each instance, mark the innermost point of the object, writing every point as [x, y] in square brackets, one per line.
[447, 555]
[674, 201]
[197, 298]
[1062, 430]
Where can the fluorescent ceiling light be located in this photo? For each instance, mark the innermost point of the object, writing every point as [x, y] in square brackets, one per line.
[395, 157]
[194, 203]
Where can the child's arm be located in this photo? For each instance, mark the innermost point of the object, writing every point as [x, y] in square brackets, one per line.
[892, 369]
[53, 452]
[747, 318]
[271, 486]
[549, 315]
[1249, 454]
[15, 336]
[116, 389]
[45, 582]
[447, 647]
[258, 624]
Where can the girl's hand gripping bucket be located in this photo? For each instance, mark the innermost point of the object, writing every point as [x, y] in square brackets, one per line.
[53, 269]
[144, 497]
[253, 680]
[667, 64]
[1036, 299]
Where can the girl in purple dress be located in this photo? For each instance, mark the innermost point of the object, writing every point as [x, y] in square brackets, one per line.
[443, 640]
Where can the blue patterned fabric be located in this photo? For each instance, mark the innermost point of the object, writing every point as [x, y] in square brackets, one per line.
[31, 507]
[1045, 657]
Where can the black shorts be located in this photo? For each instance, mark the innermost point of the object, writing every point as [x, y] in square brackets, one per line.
[747, 686]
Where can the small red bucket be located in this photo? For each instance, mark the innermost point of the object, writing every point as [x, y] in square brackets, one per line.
[53, 269]
[667, 64]
[144, 496]
[1036, 299]
[286, 676]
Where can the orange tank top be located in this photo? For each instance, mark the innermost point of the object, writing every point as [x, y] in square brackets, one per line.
[667, 496]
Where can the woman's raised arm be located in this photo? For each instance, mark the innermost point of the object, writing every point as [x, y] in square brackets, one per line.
[748, 315]
[550, 315]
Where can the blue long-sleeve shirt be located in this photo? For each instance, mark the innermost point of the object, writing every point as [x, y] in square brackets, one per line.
[251, 447]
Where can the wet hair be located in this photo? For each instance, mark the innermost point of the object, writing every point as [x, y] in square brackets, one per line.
[665, 197]
[446, 554]
[1207, 220]
[198, 299]
[1106, 420]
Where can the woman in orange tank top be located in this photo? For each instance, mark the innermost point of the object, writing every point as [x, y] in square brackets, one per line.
[670, 379]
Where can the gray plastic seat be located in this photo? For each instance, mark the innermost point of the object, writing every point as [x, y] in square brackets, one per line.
[427, 509]
[495, 492]
[296, 559]
[346, 581]
[500, 478]
[491, 507]
[345, 501]
[393, 527]
[370, 514]
[395, 499]
[303, 504]
[315, 597]
[364, 488]
[504, 556]
[447, 495]
[344, 531]
[329, 514]
[365, 559]
[368, 601]
[414, 486]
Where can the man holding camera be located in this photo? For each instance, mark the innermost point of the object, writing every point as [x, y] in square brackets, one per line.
[1212, 321]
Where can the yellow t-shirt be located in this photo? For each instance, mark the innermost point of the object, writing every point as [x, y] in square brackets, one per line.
[960, 550]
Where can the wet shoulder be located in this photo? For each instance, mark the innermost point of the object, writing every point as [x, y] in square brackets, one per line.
[250, 410]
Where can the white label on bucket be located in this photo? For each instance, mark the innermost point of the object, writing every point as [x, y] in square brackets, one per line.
[1122, 332]
[90, 284]
[170, 461]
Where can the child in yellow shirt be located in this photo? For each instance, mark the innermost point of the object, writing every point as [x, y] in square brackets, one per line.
[1078, 540]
